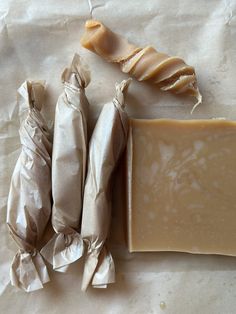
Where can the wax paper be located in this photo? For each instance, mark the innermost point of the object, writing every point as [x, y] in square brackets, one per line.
[69, 161]
[106, 147]
[29, 199]
[37, 41]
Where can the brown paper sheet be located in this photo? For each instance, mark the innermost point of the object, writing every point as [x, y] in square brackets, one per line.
[106, 146]
[69, 162]
[37, 41]
[29, 201]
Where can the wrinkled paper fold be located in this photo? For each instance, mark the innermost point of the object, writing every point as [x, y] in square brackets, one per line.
[28, 271]
[29, 201]
[69, 168]
[106, 146]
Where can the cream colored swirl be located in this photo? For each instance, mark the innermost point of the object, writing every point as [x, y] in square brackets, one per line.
[145, 64]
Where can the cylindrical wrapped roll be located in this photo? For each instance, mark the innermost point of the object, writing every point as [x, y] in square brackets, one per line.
[106, 146]
[169, 73]
[29, 201]
[68, 168]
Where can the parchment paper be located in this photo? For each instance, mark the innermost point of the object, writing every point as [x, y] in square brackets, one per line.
[37, 41]
[29, 199]
[69, 161]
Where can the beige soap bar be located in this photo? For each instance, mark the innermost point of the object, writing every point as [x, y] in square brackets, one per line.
[182, 186]
[145, 64]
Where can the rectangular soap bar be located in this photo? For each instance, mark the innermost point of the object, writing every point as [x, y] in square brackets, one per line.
[181, 186]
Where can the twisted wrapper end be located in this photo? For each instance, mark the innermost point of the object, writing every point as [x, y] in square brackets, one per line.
[199, 100]
[105, 272]
[121, 89]
[77, 75]
[28, 271]
[99, 269]
[31, 94]
[63, 249]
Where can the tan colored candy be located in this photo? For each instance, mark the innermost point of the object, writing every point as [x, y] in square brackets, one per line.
[145, 64]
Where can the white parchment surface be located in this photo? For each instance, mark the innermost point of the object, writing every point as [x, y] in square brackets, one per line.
[37, 41]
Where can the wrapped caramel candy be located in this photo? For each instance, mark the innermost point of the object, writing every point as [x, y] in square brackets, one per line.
[106, 146]
[29, 202]
[169, 73]
[68, 168]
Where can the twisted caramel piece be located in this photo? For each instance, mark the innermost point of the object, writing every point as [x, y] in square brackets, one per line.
[169, 73]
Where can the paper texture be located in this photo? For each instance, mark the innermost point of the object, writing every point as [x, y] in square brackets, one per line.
[29, 201]
[106, 146]
[37, 41]
[69, 162]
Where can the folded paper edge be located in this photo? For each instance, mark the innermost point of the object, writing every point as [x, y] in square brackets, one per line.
[105, 271]
[97, 263]
[90, 265]
[55, 250]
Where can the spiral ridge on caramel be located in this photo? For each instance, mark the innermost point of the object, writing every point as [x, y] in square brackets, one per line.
[145, 64]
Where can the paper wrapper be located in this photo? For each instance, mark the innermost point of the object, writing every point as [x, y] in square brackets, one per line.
[29, 201]
[68, 168]
[106, 146]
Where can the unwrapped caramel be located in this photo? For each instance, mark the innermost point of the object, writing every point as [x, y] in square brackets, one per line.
[69, 168]
[181, 186]
[106, 146]
[169, 73]
[29, 201]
